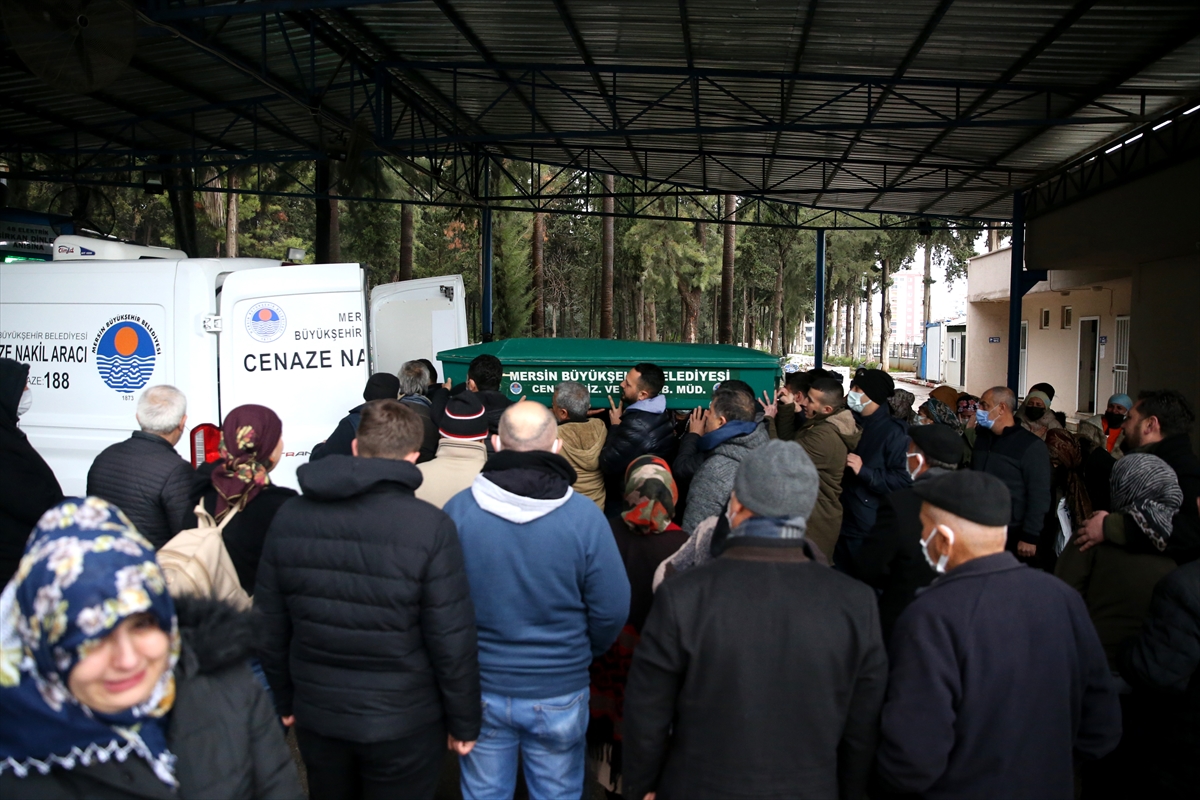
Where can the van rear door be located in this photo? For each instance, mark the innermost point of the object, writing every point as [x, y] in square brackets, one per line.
[417, 319]
[294, 339]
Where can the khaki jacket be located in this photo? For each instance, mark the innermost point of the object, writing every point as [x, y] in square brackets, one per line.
[828, 440]
[452, 470]
[581, 446]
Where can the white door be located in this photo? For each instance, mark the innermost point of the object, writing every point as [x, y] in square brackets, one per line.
[417, 319]
[1089, 362]
[933, 353]
[294, 339]
[1121, 357]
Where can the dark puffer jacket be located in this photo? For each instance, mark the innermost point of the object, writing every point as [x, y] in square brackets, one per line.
[223, 730]
[144, 477]
[883, 449]
[369, 631]
[1163, 666]
[27, 484]
[640, 433]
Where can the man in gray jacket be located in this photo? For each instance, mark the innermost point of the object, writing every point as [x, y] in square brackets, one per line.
[730, 433]
[143, 475]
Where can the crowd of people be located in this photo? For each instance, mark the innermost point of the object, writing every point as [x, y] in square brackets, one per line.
[820, 593]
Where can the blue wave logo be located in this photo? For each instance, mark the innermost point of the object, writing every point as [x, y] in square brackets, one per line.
[125, 357]
[265, 322]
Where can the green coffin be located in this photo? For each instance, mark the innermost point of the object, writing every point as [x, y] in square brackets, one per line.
[533, 367]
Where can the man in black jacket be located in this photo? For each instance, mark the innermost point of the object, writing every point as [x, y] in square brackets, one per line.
[369, 632]
[380, 386]
[1157, 424]
[414, 384]
[1163, 666]
[998, 679]
[890, 559]
[640, 426]
[878, 464]
[27, 484]
[762, 672]
[1020, 460]
[143, 475]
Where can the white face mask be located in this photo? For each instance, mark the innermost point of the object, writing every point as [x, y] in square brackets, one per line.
[912, 473]
[26, 402]
[855, 401]
[940, 566]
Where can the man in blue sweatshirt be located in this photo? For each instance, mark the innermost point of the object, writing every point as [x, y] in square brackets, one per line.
[550, 594]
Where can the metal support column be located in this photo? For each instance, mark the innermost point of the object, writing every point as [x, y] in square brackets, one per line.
[1016, 292]
[486, 303]
[322, 236]
[819, 303]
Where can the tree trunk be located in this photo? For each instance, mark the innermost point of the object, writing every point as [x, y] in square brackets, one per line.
[406, 242]
[849, 322]
[751, 332]
[928, 283]
[870, 334]
[651, 321]
[606, 261]
[828, 323]
[885, 315]
[689, 312]
[539, 277]
[231, 219]
[725, 333]
[746, 315]
[639, 312]
[857, 343]
[839, 326]
[777, 311]
[993, 238]
[183, 208]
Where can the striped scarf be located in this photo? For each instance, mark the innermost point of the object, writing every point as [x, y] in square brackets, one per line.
[1146, 489]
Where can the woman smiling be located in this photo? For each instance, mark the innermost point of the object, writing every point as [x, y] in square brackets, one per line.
[106, 689]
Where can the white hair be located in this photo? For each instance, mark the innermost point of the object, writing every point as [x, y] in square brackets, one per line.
[160, 409]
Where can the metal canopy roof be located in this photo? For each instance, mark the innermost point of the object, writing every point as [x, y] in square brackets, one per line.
[939, 107]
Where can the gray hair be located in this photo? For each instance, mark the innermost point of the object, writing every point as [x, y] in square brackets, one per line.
[574, 398]
[1002, 395]
[160, 409]
[414, 378]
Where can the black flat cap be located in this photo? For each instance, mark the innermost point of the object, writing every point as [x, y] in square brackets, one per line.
[974, 496]
[938, 441]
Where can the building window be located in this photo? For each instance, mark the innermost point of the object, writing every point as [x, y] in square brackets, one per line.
[1067, 316]
[953, 348]
[1045, 319]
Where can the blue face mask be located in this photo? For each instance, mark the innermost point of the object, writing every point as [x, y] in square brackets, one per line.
[982, 419]
[855, 401]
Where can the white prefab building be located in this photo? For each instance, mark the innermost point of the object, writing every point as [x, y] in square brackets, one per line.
[1074, 332]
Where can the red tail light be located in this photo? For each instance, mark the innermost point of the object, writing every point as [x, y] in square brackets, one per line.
[206, 444]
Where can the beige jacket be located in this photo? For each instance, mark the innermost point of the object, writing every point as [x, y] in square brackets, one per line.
[581, 445]
[453, 469]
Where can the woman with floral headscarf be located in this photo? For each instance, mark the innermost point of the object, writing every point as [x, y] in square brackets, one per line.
[107, 688]
[239, 483]
[935, 412]
[645, 535]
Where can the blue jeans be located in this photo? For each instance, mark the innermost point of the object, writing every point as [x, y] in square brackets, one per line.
[550, 734]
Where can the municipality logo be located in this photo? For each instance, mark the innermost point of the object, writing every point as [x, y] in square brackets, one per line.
[265, 322]
[125, 350]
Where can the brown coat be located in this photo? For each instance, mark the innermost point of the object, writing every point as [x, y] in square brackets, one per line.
[828, 439]
[581, 446]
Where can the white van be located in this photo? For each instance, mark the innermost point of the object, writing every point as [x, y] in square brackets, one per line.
[299, 339]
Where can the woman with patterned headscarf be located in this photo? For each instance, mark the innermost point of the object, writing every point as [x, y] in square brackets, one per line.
[1036, 416]
[645, 535]
[1116, 583]
[107, 688]
[239, 483]
[934, 411]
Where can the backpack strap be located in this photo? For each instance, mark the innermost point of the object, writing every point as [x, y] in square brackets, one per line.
[207, 520]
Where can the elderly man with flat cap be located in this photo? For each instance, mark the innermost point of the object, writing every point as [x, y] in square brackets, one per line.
[998, 680]
[761, 672]
[890, 559]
